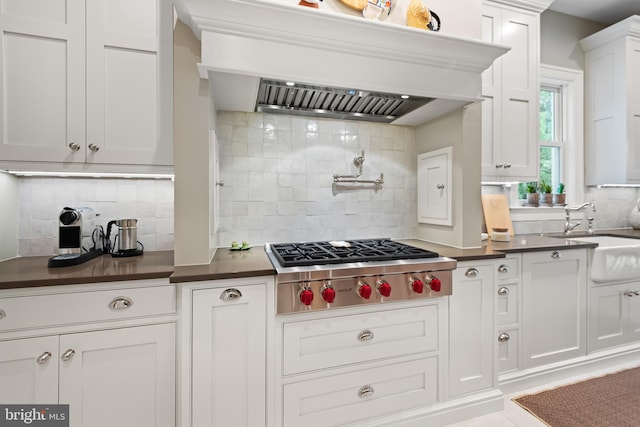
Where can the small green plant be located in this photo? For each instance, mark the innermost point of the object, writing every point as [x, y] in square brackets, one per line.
[544, 187]
[561, 188]
[532, 187]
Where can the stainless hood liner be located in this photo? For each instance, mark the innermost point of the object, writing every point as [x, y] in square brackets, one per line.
[278, 97]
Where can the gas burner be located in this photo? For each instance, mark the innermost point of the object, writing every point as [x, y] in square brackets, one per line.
[314, 253]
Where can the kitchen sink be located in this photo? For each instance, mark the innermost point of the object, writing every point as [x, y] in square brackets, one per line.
[615, 259]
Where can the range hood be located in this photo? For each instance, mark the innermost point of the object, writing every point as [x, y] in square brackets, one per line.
[364, 69]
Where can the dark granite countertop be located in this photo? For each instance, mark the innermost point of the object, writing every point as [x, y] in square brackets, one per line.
[32, 271]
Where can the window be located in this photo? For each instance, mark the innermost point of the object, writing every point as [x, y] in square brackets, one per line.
[561, 133]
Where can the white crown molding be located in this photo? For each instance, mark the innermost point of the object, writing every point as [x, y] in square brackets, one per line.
[627, 27]
[537, 6]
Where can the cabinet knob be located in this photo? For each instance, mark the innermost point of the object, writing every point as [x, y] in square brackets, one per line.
[365, 335]
[365, 391]
[121, 303]
[507, 165]
[555, 255]
[499, 165]
[503, 291]
[3, 314]
[631, 293]
[503, 337]
[74, 146]
[67, 355]
[440, 186]
[42, 359]
[504, 268]
[472, 272]
[230, 294]
[94, 147]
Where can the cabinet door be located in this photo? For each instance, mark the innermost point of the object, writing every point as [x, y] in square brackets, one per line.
[606, 316]
[42, 80]
[471, 355]
[29, 370]
[120, 377]
[228, 384]
[553, 306]
[129, 81]
[434, 187]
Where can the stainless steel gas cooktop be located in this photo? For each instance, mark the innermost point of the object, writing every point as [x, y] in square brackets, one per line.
[331, 274]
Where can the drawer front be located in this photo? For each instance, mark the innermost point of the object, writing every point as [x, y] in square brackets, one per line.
[508, 350]
[361, 395]
[507, 304]
[91, 306]
[324, 343]
[508, 268]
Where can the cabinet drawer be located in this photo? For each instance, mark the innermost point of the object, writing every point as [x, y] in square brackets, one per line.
[79, 307]
[361, 395]
[508, 342]
[508, 268]
[507, 304]
[324, 343]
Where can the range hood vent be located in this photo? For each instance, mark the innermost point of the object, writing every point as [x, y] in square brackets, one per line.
[282, 97]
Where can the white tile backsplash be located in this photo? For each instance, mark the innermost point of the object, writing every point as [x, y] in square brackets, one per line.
[278, 173]
[42, 199]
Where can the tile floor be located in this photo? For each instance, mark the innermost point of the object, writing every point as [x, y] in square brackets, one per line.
[514, 416]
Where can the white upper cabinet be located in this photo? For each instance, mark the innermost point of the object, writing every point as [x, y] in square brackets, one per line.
[86, 81]
[510, 90]
[612, 104]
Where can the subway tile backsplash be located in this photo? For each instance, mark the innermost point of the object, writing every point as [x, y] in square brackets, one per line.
[41, 199]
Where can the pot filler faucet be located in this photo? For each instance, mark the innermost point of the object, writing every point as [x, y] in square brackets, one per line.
[568, 227]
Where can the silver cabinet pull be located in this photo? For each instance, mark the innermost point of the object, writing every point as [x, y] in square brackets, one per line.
[230, 294]
[365, 335]
[504, 268]
[121, 303]
[94, 147]
[507, 165]
[365, 391]
[67, 355]
[503, 291]
[555, 255]
[503, 337]
[631, 293]
[440, 186]
[42, 359]
[472, 272]
[74, 146]
[499, 165]
[3, 314]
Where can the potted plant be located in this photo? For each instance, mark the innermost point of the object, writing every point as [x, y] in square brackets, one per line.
[532, 194]
[559, 197]
[547, 197]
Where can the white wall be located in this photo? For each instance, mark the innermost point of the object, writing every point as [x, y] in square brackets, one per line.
[41, 200]
[10, 203]
[278, 179]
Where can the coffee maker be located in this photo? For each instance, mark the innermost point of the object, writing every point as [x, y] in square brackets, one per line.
[73, 224]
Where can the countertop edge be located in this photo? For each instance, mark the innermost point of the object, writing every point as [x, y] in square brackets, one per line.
[184, 278]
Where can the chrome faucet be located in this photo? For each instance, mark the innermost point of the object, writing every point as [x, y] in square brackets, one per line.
[568, 226]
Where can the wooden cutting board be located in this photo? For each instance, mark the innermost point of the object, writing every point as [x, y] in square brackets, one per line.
[496, 212]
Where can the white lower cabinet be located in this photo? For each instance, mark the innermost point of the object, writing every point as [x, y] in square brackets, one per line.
[354, 365]
[361, 394]
[554, 296]
[119, 373]
[228, 353]
[614, 315]
[471, 328]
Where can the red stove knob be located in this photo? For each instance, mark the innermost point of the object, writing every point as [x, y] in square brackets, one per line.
[364, 290]
[306, 296]
[328, 294]
[434, 283]
[417, 285]
[384, 288]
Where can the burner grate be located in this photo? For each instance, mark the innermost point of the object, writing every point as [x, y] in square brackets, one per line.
[318, 253]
